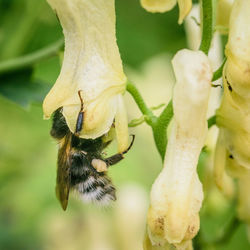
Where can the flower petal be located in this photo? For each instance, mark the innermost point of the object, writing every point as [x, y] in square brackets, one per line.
[176, 194]
[121, 125]
[91, 64]
[184, 8]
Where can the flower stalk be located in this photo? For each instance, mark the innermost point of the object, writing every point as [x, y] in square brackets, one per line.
[31, 59]
[159, 124]
[207, 25]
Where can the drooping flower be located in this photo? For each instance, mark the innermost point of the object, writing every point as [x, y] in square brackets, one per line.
[176, 195]
[166, 5]
[234, 113]
[193, 34]
[233, 116]
[91, 67]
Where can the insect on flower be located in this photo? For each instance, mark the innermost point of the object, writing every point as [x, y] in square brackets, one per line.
[80, 164]
[92, 80]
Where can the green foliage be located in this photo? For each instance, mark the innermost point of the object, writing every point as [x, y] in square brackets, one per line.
[21, 89]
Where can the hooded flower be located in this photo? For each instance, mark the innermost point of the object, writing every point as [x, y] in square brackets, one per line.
[233, 116]
[91, 67]
[166, 5]
[176, 195]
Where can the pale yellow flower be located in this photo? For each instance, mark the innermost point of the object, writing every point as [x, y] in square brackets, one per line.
[166, 5]
[92, 65]
[176, 195]
[233, 116]
[223, 12]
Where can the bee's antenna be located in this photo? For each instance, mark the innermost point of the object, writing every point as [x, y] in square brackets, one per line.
[80, 118]
[79, 94]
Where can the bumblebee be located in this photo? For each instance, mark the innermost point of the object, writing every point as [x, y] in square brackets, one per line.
[80, 164]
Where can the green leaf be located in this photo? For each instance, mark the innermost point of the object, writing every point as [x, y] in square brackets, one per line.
[21, 89]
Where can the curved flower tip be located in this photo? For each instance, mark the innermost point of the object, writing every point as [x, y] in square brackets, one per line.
[92, 70]
[176, 195]
[158, 5]
[166, 5]
[184, 8]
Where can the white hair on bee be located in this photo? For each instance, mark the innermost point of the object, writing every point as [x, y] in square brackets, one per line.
[97, 196]
[95, 190]
[92, 195]
[106, 200]
[89, 183]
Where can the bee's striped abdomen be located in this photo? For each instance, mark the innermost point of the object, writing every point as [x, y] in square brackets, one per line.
[91, 185]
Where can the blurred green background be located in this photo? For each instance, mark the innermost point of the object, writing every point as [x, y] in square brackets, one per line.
[30, 215]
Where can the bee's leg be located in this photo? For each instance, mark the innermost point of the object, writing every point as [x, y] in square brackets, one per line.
[105, 144]
[112, 160]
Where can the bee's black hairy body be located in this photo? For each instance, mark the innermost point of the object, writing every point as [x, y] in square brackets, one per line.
[76, 170]
[93, 186]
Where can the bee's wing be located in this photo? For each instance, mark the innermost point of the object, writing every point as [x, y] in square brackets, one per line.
[63, 170]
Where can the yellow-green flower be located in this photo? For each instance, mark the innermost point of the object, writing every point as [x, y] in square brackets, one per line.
[166, 5]
[91, 65]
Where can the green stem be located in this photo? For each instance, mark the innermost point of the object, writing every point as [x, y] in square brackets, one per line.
[160, 129]
[149, 116]
[228, 232]
[218, 73]
[30, 59]
[159, 125]
[211, 121]
[207, 25]
[137, 122]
